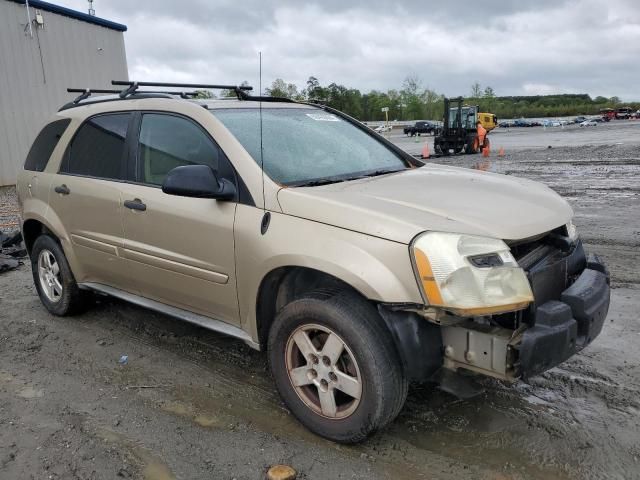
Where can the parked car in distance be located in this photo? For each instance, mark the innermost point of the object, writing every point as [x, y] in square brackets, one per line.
[383, 128]
[522, 123]
[420, 128]
[623, 113]
[579, 119]
[356, 267]
[505, 124]
[589, 123]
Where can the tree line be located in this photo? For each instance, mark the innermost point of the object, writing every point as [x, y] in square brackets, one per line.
[415, 102]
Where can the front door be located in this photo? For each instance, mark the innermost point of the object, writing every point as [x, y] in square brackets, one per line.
[181, 250]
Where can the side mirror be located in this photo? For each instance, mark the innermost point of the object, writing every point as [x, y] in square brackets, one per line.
[198, 181]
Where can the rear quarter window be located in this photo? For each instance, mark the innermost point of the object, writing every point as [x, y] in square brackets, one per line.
[44, 145]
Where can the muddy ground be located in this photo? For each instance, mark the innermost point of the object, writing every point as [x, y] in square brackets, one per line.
[191, 404]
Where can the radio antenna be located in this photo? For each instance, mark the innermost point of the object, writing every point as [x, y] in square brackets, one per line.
[266, 218]
[264, 202]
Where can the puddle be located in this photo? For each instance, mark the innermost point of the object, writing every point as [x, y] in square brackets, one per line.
[21, 389]
[154, 467]
[29, 392]
[493, 430]
[188, 411]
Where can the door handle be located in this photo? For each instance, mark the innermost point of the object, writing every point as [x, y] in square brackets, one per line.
[135, 204]
[62, 189]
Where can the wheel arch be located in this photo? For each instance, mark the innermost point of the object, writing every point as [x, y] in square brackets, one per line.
[36, 225]
[32, 229]
[286, 283]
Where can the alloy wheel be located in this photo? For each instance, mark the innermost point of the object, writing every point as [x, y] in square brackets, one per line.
[323, 371]
[49, 276]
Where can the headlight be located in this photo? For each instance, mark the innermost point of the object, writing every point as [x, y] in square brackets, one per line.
[469, 275]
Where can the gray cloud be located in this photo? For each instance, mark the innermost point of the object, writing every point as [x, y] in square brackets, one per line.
[516, 47]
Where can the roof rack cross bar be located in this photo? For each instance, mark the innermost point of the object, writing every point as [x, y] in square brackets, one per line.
[116, 91]
[92, 90]
[182, 85]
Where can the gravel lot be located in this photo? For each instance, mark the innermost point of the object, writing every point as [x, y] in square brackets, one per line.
[9, 219]
[191, 404]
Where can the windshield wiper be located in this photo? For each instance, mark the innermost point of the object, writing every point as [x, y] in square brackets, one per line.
[377, 173]
[322, 181]
[327, 181]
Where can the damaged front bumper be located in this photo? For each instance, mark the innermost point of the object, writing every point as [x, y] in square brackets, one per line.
[571, 295]
[560, 324]
[564, 327]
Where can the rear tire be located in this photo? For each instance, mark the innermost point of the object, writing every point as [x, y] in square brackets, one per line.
[336, 365]
[53, 279]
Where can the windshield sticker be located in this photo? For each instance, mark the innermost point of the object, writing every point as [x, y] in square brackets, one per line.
[323, 117]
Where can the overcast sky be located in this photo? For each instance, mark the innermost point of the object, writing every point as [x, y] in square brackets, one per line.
[516, 47]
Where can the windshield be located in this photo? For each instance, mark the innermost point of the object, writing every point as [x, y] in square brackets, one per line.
[307, 145]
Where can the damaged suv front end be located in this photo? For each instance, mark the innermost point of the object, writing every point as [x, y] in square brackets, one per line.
[508, 310]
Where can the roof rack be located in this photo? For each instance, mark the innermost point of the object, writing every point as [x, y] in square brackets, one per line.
[87, 92]
[133, 87]
[131, 91]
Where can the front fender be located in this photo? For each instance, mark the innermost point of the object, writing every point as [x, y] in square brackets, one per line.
[379, 269]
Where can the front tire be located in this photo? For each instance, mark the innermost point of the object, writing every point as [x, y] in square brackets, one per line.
[54, 281]
[336, 366]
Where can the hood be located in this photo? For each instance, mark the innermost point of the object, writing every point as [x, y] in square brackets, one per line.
[399, 206]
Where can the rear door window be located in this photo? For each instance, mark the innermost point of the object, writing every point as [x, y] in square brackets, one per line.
[168, 141]
[44, 145]
[98, 148]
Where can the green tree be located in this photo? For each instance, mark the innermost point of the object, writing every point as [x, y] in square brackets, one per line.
[476, 90]
[314, 90]
[411, 95]
[279, 88]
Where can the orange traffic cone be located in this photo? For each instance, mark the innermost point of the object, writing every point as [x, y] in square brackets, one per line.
[425, 151]
[501, 152]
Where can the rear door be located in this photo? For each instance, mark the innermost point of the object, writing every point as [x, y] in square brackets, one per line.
[181, 250]
[86, 197]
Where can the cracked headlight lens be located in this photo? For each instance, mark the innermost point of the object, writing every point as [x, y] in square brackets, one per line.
[469, 275]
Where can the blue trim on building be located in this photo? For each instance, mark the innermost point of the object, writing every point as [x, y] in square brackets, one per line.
[67, 12]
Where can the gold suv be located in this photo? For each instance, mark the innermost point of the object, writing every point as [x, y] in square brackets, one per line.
[298, 230]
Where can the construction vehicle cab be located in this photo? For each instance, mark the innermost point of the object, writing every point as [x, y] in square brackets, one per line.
[458, 132]
[488, 120]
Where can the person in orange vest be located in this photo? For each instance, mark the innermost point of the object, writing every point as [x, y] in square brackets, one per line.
[482, 133]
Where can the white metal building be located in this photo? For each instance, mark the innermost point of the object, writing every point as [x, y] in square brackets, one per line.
[44, 49]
